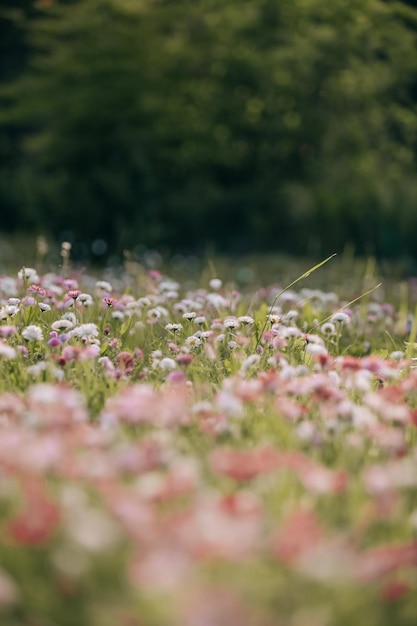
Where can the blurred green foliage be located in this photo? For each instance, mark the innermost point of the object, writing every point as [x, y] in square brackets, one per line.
[246, 124]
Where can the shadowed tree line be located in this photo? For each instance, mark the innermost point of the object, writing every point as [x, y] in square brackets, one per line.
[249, 125]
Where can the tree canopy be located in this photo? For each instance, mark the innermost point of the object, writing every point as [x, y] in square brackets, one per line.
[249, 124]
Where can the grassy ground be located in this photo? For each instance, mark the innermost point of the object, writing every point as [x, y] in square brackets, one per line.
[220, 447]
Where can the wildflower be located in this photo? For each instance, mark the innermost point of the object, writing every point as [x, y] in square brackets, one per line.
[29, 274]
[8, 285]
[8, 311]
[189, 315]
[85, 331]
[44, 307]
[200, 319]
[109, 301]
[216, 300]
[316, 349]
[62, 324]
[246, 320]
[274, 318]
[104, 286]
[54, 340]
[168, 285]
[73, 294]
[185, 358]
[7, 351]
[36, 289]
[231, 323]
[250, 361]
[154, 314]
[215, 284]
[193, 342]
[232, 345]
[167, 364]
[85, 299]
[32, 333]
[342, 318]
[397, 355]
[173, 327]
[71, 317]
[7, 331]
[39, 519]
[328, 328]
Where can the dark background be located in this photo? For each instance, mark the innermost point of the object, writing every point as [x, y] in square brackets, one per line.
[231, 125]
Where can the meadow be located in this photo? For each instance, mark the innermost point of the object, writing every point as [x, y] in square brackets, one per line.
[207, 452]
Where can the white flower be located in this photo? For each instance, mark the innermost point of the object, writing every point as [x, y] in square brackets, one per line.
[397, 355]
[37, 369]
[250, 361]
[291, 315]
[71, 317]
[316, 348]
[189, 315]
[85, 299]
[62, 324]
[274, 318]
[29, 274]
[193, 342]
[328, 328]
[144, 301]
[85, 331]
[44, 307]
[200, 319]
[168, 285]
[173, 327]
[342, 318]
[232, 345]
[7, 351]
[9, 311]
[246, 320]
[8, 286]
[216, 300]
[104, 286]
[231, 322]
[167, 364]
[32, 333]
[215, 283]
[154, 314]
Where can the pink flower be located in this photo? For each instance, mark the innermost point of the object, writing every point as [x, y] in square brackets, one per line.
[376, 563]
[298, 534]
[39, 519]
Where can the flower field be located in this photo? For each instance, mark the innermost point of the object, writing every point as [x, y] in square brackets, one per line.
[173, 455]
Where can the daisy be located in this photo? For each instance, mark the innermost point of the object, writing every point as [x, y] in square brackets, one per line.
[193, 342]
